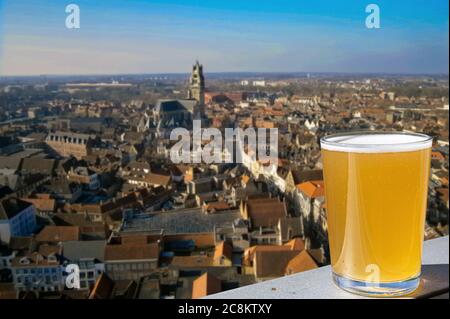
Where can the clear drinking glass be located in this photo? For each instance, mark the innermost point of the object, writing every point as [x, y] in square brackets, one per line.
[376, 195]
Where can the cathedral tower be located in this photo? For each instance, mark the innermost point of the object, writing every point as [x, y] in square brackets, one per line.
[196, 88]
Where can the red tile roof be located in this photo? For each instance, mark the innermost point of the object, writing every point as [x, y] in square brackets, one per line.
[58, 234]
[131, 252]
[312, 189]
[265, 212]
[302, 262]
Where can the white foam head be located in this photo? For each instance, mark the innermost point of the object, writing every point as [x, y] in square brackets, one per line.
[389, 142]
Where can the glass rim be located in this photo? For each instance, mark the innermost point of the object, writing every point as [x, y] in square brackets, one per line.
[424, 141]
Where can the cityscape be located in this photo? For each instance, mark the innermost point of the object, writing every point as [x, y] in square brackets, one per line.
[88, 184]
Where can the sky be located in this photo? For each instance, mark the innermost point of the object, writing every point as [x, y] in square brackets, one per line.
[153, 36]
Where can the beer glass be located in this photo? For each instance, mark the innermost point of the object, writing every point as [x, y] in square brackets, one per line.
[376, 196]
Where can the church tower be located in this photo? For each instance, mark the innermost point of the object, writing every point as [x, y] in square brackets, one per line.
[196, 88]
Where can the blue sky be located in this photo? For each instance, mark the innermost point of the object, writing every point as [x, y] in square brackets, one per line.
[139, 36]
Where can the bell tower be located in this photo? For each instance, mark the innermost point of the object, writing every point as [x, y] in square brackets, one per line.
[196, 88]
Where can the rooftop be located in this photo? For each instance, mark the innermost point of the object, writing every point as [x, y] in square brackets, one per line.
[183, 221]
[317, 284]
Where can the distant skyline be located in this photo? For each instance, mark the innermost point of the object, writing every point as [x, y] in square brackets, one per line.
[153, 36]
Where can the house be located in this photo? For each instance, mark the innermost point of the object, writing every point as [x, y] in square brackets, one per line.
[302, 262]
[223, 254]
[205, 285]
[269, 264]
[89, 230]
[89, 256]
[200, 185]
[17, 218]
[149, 180]
[37, 272]
[272, 261]
[296, 177]
[98, 212]
[289, 228]
[235, 232]
[44, 203]
[263, 212]
[310, 197]
[57, 234]
[85, 177]
[67, 144]
[63, 190]
[131, 261]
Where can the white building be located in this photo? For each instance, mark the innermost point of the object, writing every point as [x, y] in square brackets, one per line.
[259, 83]
[37, 273]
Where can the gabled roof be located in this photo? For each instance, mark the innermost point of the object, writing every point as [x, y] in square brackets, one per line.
[302, 262]
[301, 176]
[131, 252]
[265, 212]
[269, 263]
[58, 234]
[312, 189]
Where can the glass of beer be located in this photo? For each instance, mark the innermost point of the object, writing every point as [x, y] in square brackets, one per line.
[376, 196]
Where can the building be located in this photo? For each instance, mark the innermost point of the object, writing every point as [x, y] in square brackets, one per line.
[196, 88]
[302, 262]
[205, 285]
[17, 218]
[271, 261]
[67, 144]
[58, 234]
[131, 260]
[84, 176]
[311, 200]
[89, 256]
[169, 114]
[263, 212]
[37, 272]
[235, 232]
[223, 254]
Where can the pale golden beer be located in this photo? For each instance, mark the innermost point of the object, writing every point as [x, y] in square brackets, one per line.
[376, 196]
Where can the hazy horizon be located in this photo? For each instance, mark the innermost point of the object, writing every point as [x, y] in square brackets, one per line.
[249, 73]
[139, 37]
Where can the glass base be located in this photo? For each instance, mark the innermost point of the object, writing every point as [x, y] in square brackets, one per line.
[370, 289]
